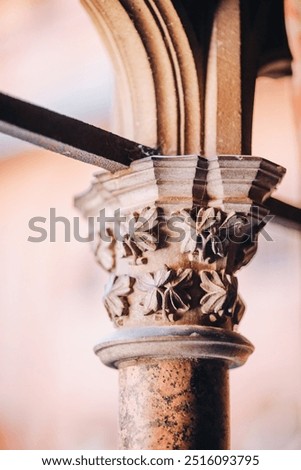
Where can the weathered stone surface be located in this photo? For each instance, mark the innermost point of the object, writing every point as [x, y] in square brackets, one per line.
[174, 404]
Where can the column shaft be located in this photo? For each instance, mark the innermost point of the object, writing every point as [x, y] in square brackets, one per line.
[174, 404]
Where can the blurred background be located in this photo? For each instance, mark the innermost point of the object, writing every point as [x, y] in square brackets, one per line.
[54, 393]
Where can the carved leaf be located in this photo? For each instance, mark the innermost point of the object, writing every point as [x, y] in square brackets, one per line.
[201, 235]
[147, 219]
[144, 241]
[182, 278]
[221, 298]
[233, 220]
[189, 242]
[166, 290]
[216, 295]
[104, 254]
[238, 311]
[137, 235]
[152, 301]
[116, 291]
[176, 296]
[162, 276]
[248, 252]
[211, 247]
[187, 224]
[217, 246]
[150, 281]
[206, 218]
[152, 284]
[231, 285]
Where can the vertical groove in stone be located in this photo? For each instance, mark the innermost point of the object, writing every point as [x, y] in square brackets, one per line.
[174, 404]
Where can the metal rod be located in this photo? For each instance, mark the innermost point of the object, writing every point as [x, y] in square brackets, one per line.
[68, 136]
[286, 214]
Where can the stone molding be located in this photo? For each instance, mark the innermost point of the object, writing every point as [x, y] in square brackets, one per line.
[125, 346]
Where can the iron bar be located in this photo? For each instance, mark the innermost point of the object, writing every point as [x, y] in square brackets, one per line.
[68, 136]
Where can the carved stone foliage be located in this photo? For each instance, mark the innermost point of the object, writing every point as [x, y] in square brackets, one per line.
[205, 235]
[138, 234]
[186, 225]
[167, 292]
[211, 235]
[104, 251]
[220, 295]
[210, 245]
[115, 297]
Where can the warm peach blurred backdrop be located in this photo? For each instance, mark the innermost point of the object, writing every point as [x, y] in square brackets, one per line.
[54, 393]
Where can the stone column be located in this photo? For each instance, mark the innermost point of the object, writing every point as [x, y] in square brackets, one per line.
[179, 230]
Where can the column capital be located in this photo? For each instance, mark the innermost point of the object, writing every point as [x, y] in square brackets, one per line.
[173, 232]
